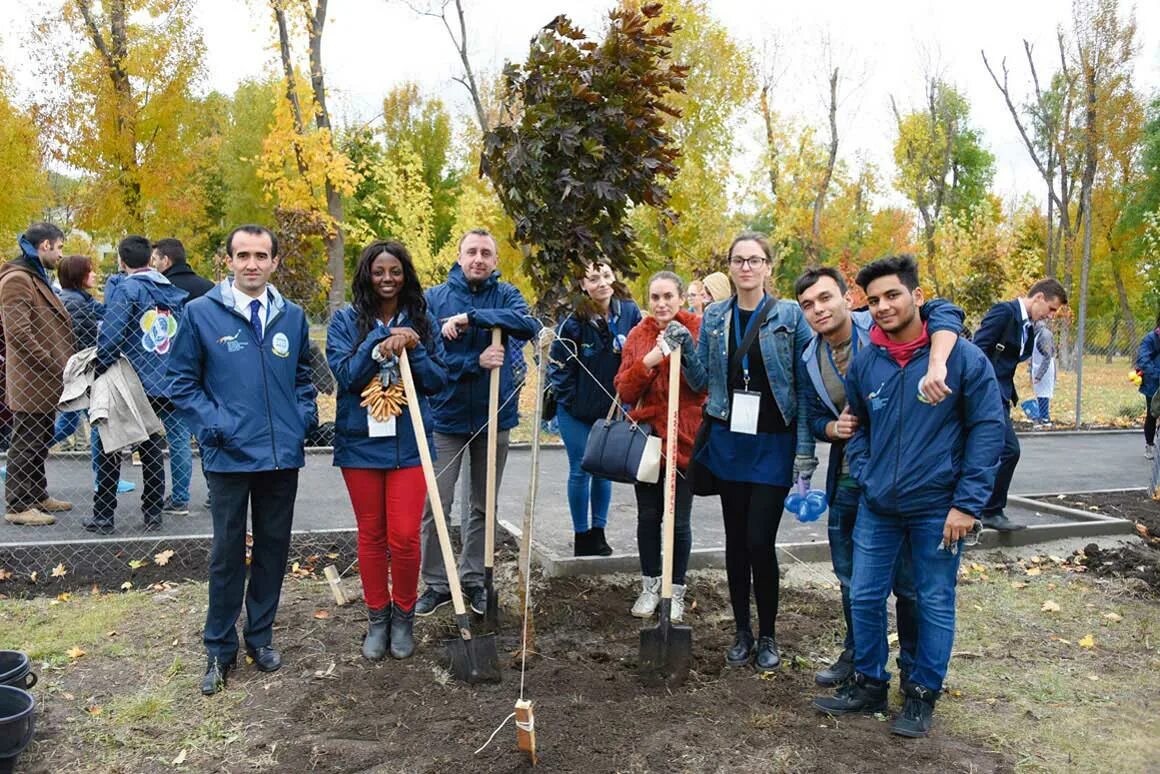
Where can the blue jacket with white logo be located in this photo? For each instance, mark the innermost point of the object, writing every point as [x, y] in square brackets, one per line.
[461, 406]
[143, 314]
[250, 402]
[914, 458]
[585, 358]
[940, 315]
[353, 366]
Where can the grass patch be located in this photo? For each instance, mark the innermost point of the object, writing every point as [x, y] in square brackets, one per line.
[46, 629]
[1108, 397]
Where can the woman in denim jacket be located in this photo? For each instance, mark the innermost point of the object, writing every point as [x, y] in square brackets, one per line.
[758, 440]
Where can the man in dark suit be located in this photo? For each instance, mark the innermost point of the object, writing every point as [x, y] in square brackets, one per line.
[1007, 338]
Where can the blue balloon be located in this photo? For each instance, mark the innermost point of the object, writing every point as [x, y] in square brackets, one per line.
[793, 502]
[811, 510]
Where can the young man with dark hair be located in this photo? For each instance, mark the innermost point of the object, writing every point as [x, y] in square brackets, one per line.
[839, 334]
[469, 305]
[241, 377]
[38, 341]
[169, 259]
[1007, 337]
[143, 313]
[926, 470]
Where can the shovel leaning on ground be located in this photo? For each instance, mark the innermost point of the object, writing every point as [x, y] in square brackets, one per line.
[666, 651]
[473, 659]
[491, 611]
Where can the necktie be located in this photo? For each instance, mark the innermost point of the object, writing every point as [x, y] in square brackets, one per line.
[256, 318]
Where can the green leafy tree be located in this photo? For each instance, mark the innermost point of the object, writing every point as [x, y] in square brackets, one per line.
[586, 140]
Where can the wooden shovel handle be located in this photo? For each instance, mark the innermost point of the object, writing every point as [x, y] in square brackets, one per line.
[432, 485]
[671, 474]
[492, 448]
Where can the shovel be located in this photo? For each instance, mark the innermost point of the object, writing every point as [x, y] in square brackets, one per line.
[491, 611]
[473, 659]
[666, 651]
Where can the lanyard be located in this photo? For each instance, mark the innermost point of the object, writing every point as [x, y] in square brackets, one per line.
[739, 336]
[853, 352]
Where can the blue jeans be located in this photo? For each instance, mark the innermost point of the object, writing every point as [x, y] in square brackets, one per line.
[66, 425]
[878, 540]
[177, 436]
[841, 520]
[583, 488]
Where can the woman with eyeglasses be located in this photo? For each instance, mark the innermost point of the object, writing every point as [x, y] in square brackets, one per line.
[584, 360]
[758, 441]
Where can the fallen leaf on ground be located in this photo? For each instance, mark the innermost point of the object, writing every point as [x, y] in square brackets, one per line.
[1018, 585]
[180, 759]
[162, 559]
[1094, 678]
[64, 596]
[5, 574]
[137, 564]
[32, 576]
[111, 633]
[94, 710]
[1087, 641]
[1114, 617]
[59, 571]
[67, 696]
[126, 586]
[322, 614]
[1050, 606]
[74, 652]
[1033, 571]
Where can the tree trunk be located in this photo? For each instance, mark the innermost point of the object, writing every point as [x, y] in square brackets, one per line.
[770, 143]
[1125, 307]
[814, 249]
[1086, 184]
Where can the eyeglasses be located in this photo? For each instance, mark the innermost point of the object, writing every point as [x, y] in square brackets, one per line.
[751, 263]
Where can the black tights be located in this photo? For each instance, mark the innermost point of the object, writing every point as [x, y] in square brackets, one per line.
[1149, 422]
[752, 514]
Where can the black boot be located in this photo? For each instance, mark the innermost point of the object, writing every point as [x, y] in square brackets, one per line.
[838, 672]
[402, 632]
[859, 694]
[917, 712]
[742, 649]
[767, 658]
[600, 546]
[378, 633]
[582, 544]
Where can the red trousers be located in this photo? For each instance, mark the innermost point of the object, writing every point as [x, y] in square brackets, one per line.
[388, 506]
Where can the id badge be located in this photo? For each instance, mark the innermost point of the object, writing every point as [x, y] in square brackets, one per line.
[377, 429]
[746, 408]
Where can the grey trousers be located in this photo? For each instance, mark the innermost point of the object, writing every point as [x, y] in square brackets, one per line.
[447, 464]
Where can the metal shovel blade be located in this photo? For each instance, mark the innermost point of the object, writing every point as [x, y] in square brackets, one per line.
[666, 651]
[474, 659]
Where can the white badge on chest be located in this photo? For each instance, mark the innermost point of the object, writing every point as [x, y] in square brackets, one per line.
[746, 408]
[377, 429]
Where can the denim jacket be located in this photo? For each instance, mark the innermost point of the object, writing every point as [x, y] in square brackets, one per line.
[783, 337]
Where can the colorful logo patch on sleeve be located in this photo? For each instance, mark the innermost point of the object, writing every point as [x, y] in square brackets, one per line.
[159, 326]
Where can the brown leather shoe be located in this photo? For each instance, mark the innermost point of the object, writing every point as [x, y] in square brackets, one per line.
[53, 505]
[30, 518]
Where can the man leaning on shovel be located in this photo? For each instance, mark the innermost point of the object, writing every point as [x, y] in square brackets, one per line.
[471, 303]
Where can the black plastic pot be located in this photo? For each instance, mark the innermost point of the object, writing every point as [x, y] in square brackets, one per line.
[16, 669]
[17, 723]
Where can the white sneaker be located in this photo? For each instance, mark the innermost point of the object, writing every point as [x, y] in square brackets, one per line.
[650, 597]
[677, 611]
[1149, 451]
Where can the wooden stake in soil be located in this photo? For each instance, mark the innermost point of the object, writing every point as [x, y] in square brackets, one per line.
[526, 728]
[335, 581]
[524, 567]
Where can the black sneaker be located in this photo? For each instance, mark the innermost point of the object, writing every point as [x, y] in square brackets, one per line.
[738, 655]
[476, 598]
[430, 601]
[98, 527]
[838, 672]
[917, 712]
[171, 508]
[857, 695]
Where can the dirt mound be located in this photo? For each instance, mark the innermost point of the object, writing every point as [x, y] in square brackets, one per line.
[1133, 561]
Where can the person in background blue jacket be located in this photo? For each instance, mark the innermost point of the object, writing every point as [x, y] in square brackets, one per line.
[926, 470]
[1148, 367]
[241, 377]
[143, 313]
[1006, 336]
[839, 334]
[758, 440]
[468, 306]
[379, 458]
[585, 358]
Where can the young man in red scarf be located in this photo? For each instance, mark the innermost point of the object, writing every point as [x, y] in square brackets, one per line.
[926, 471]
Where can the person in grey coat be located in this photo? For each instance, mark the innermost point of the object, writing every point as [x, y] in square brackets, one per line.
[1043, 371]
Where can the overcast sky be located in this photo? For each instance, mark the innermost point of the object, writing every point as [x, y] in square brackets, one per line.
[371, 45]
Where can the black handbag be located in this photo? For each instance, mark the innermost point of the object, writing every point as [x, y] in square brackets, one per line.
[702, 481]
[622, 450]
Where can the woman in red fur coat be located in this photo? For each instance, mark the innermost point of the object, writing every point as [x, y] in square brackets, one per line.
[643, 381]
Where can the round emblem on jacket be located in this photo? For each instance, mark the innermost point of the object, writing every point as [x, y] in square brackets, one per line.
[281, 345]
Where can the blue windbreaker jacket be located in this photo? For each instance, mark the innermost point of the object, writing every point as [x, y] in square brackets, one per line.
[460, 408]
[249, 402]
[914, 458]
[143, 314]
[586, 392]
[353, 367]
[1148, 362]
